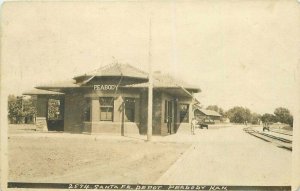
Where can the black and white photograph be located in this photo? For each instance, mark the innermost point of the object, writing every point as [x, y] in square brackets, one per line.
[150, 95]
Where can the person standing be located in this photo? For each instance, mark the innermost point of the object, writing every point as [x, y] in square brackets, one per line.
[193, 125]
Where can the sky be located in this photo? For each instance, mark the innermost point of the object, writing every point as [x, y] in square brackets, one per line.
[239, 53]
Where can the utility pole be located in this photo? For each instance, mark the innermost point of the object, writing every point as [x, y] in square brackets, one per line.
[123, 118]
[150, 88]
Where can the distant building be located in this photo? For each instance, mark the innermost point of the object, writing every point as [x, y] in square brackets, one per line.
[225, 119]
[113, 99]
[207, 115]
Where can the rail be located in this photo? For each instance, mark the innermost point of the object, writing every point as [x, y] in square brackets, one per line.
[282, 142]
[283, 133]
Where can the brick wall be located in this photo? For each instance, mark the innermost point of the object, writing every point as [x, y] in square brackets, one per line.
[114, 127]
[73, 117]
[157, 113]
[74, 105]
[87, 127]
[143, 111]
[42, 103]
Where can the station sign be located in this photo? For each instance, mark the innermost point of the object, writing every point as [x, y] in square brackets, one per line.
[105, 87]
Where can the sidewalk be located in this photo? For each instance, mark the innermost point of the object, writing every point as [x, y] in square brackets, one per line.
[229, 156]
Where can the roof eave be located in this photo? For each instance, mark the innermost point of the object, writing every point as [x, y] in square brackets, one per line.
[42, 92]
[55, 89]
[195, 90]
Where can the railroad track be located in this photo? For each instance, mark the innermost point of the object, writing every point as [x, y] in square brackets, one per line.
[280, 141]
[283, 133]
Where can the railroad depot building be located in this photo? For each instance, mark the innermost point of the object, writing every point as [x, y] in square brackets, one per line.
[114, 99]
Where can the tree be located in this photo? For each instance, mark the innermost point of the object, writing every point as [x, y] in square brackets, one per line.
[14, 109]
[29, 110]
[239, 114]
[270, 118]
[215, 108]
[20, 109]
[255, 118]
[283, 115]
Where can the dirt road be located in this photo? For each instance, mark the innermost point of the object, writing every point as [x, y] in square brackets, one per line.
[229, 156]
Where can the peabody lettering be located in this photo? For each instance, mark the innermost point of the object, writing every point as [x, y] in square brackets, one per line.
[186, 187]
[105, 87]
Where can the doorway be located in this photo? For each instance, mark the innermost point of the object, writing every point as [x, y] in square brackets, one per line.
[170, 115]
[55, 114]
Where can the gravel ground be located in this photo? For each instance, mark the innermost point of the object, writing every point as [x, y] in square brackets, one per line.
[224, 156]
[88, 159]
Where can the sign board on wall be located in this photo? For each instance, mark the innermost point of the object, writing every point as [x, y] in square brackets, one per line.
[105, 87]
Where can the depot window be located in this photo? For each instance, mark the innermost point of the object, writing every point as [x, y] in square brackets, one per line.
[184, 113]
[106, 108]
[129, 109]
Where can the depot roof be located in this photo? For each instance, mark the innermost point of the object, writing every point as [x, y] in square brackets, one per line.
[166, 81]
[115, 69]
[124, 70]
[57, 86]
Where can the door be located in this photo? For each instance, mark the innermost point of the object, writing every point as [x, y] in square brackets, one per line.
[170, 114]
[175, 119]
[129, 109]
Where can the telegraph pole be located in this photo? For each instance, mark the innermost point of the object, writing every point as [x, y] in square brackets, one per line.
[150, 88]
